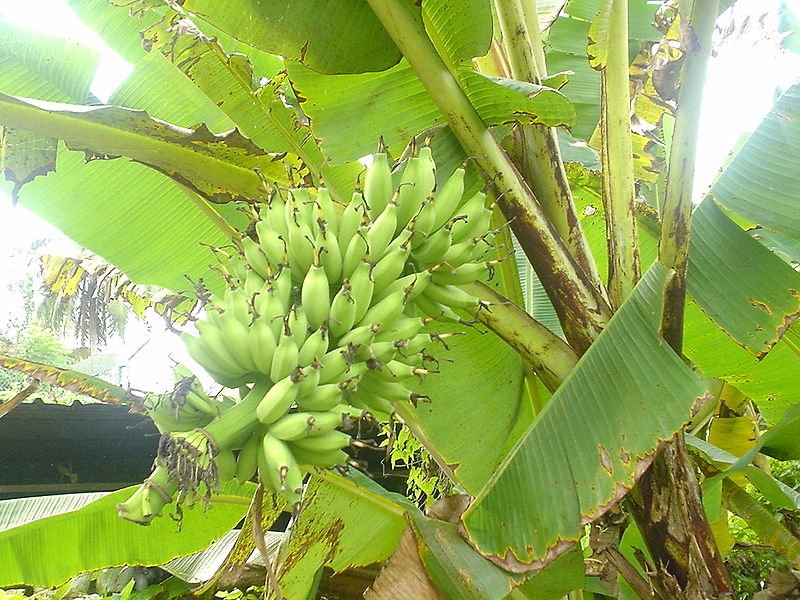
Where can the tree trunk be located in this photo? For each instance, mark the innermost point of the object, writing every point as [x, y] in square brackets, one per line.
[669, 512]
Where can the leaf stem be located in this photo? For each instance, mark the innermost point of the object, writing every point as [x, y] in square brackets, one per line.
[580, 305]
[551, 357]
[537, 146]
[673, 247]
[617, 154]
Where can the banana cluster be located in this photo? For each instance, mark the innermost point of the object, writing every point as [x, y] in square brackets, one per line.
[323, 315]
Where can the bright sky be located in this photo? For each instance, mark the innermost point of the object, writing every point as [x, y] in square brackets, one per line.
[740, 89]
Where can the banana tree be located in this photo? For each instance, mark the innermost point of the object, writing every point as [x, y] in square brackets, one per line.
[642, 347]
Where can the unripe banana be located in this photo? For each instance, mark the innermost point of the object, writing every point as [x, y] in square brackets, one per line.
[307, 379]
[315, 347]
[277, 400]
[225, 462]
[416, 184]
[373, 403]
[304, 424]
[327, 211]
[362, 287]
[297, 324]
[380, 387]
[423, 221]
[203, 403]
[252, 285]
[203, 355]
[400, 330]
[343, 311]
[262, 345]
[382, 230]
[272, 244]
[445, 274]
[411, 285]
[271, 309]
[376, 352]
[378, 184]
[350, 221]
[247, 461]
[450, 295]
[316, 458]
[327, 442]
[330, 255]
[387, 310]
[433, 309]
[255, 257]
[274, 215]
[463, 252]
[431, 251]
[388, 269]
[218, 347]
[355, 254]
[363, 334]
[315, 295]
[285, 359]
[448, 198]
[280, 469]
[237, 340]
[321, 398]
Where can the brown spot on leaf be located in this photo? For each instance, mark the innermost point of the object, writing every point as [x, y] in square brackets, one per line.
[605, 459]
[761, 305]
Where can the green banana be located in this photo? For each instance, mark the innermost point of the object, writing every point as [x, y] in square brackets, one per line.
[315, 295]
[445, 274]
[448, 198]
[450, 295]
[279, 470]
[298, 425]
[277, 401]
[247, 460]
[322, 397]
[362, 287]
[382, 230]
[285, 359]
[319, 459]
[378, 184]
[225, 462]
[342, 315]
[315, 346]
[327, 442]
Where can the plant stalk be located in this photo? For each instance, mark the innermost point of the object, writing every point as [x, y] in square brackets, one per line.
[673, 246]
[616, 153]
[537, 146]
[581, 307]
[549, 355]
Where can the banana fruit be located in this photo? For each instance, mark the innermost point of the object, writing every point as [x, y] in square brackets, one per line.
[322, 319]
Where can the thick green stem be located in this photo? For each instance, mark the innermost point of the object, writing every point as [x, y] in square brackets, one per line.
[550, 356]
[768, 528]
[673, 247]
[581, 307]
[617, 155]
[537, 145]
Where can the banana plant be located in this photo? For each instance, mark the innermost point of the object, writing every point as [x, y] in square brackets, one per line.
[628, 358]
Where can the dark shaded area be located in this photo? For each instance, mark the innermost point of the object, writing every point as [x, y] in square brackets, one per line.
[55, 449]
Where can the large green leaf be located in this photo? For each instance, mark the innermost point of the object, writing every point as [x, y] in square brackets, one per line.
[771, 381]
[476, 395]
[349, 112]
[330, 36]
[37, 65]
[595, 437]
[747, 290]
[463, 28]
[341, 525]
[133, 216]
[761, 181]
[48, 551]
[220, 167]
[68, 379]
[567, 52]
[157, 87]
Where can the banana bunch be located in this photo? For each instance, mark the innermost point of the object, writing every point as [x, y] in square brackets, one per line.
[322, 321]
